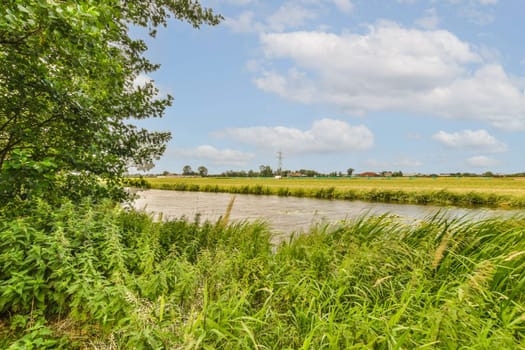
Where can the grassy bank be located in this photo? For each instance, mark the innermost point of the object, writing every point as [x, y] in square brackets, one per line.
[101, 277]
[489, 192]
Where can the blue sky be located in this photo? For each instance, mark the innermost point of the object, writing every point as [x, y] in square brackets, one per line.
[411, 85]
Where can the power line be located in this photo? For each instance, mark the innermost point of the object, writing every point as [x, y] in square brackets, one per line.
[280, 162]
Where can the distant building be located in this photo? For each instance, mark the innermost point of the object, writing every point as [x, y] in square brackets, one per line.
[296, 174]
[368, 174]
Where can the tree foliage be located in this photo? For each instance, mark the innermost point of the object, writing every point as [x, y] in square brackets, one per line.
[67, 93]
[187, 170]
[265, 171]
[203, 171]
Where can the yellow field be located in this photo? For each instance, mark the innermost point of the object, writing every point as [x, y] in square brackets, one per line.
[514, 187]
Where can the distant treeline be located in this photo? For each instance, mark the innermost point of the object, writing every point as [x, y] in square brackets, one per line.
[266, 171]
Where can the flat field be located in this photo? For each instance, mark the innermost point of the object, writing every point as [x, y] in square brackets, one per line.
[504, 185]
[466, 191]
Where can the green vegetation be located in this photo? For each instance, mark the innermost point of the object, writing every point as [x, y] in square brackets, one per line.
[77, 270]
[490, 192]
[68, 91]
[102, 277]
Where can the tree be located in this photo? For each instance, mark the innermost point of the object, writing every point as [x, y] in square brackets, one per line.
[308, 172]
[265, 171]
[67, 93]
[398, 173]
[203, 171]
[186, 170]
[350, 171]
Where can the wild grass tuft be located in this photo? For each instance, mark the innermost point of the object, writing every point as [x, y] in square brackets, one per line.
[226, 218]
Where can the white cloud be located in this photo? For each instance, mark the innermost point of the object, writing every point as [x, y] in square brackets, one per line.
[245, 23]
[488, 2]
[488, 95]
[141, 80]
[344, 5]
[325, 136]
[396, 69]
[215, 156]
[430, 20]
[294, 86]
[289, 15]
[477, 139]
[481, 162]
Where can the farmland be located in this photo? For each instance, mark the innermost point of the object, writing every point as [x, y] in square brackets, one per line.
[460, 191]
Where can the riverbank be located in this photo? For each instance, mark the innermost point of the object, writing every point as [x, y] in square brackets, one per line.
[463, 192]
[99, 276]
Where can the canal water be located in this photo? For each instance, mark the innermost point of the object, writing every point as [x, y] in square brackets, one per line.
[288, 214]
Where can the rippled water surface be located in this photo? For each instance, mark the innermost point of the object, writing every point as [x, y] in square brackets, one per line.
[286, 214]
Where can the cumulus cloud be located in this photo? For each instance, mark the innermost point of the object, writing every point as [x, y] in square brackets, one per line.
[477, 139]
[481, 162]
[393, 68]
[244, 23]
[325, 136]
[294, 86]
[215, 156]
[289, 15]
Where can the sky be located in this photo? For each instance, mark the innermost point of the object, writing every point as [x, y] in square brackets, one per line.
[420, 86]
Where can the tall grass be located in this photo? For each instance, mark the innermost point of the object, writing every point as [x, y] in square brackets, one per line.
[102, 277]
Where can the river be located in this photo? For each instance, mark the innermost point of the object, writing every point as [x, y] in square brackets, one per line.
[289, 214]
